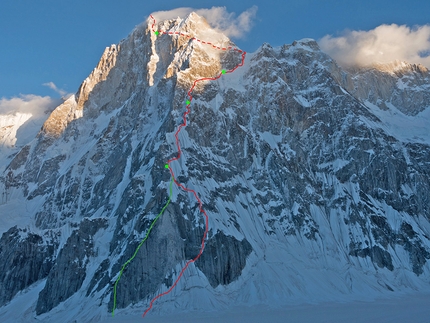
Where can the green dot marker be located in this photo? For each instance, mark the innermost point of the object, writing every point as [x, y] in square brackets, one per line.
[223, 71]
[156, 33]
[188, 102]
[166, 166]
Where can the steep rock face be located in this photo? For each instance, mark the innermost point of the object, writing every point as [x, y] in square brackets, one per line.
[224, 259]
[61, 117]
[73, 107]
[403, 85]
[297, 175]
[67, 275]
[105, 66]
[26, 258]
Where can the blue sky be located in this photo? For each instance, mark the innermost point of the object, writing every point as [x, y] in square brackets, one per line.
[61, 41]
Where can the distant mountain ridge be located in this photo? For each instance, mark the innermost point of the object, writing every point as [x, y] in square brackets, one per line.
[405, 86]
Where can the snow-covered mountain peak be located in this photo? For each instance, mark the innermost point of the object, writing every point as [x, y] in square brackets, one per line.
[398, 84]
[198, 21]
[395, 68]
[307, 44]
[73, 107]
[398, 66]
[286, 153]
[188, 46]
[9, 124]
[192, 25]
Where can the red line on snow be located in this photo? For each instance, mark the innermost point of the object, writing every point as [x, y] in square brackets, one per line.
[184, 124]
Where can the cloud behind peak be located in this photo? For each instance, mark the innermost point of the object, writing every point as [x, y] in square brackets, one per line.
[218, 17]
[384, 44]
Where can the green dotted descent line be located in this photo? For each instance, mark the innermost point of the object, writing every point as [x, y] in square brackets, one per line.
[140, 245]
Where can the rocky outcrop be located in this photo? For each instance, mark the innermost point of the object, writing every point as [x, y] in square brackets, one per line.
[26, 258]
[69, 271]
[404, 85]
[224, 259]
[61, 117]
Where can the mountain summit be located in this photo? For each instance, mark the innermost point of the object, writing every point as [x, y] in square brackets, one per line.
[311, 191]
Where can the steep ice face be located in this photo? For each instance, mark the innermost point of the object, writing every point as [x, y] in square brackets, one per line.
[309, 197]
[16, 130]
[9, 125]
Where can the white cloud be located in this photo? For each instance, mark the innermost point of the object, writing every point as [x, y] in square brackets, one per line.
[172, 14]
[38, 106]
[218, 17]
[383, 44]
[52, 86]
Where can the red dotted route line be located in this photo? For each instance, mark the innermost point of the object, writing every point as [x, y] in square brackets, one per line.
[184, 124]
[194, 38]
